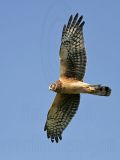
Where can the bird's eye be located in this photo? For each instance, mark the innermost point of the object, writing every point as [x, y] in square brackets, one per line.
[51, 85]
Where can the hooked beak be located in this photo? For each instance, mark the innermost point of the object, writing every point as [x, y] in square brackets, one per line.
[50, 88]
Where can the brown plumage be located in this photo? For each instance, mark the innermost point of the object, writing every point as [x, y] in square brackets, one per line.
[60, 114]
[70, 85]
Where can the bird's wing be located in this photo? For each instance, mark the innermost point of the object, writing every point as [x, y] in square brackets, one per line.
[72, 50]
[60, 114]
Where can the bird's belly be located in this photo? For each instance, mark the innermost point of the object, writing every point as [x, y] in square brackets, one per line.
[75, 88]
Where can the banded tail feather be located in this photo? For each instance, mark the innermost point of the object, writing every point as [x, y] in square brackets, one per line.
[101, 90]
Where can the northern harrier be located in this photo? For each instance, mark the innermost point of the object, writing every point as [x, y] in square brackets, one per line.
[70, 84]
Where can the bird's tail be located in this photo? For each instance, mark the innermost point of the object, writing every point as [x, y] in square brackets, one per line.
[100, 90]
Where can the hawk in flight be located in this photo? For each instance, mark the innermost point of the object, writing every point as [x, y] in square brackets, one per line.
[70, 84]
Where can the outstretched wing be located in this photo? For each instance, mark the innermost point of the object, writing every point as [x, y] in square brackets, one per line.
[60, 114]
[72, 50]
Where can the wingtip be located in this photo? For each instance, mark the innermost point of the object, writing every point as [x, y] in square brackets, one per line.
[54, 138]
[82, 24]
[71, 16]
[45, 128]
[77, 14]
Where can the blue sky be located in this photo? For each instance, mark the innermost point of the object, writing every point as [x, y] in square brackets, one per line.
[30, 33]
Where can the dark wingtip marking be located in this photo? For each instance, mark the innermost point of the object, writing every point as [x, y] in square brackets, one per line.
[64, 27]
[60, 137]
[56, 139]
[76, 16]
[45, 128]
[81, 17]
[74, 20]
[52, 140]
[79, 20]
[48, 136]
[69, 21]
[71, 17]
[82, 24]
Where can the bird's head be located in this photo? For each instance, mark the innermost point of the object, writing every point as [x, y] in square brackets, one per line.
[53, 87]
[56, 87]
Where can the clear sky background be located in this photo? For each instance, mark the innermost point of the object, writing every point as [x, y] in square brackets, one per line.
[30, 33]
